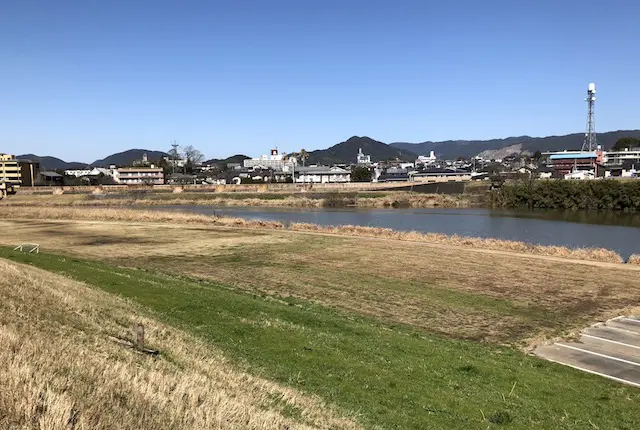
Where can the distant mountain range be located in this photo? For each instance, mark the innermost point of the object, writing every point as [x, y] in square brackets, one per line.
[346, 152]
[470, 148]
[52, 163]
[238, 158]
[125, 158]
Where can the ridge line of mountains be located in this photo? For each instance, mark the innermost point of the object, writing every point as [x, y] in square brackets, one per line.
[345, 152]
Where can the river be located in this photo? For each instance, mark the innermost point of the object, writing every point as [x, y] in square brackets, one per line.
[619, 232]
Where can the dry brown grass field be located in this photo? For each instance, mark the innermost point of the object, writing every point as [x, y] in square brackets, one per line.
[470, 293]
[138, 215]
[266, 199]
[60, 369]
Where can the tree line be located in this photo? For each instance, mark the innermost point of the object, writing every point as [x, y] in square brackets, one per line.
[610, 195]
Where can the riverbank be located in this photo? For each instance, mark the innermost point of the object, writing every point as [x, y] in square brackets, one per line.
[138, 215]
[324, 356]
[66, 363]
[339, 318]
[388, 199]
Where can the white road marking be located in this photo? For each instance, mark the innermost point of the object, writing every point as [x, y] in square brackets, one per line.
[619, 329]
[611, 341]
[604, 375]
[631, 320]
[598, 354]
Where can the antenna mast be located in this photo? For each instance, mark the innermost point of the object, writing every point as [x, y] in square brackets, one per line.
[590, 141]
[174, 154]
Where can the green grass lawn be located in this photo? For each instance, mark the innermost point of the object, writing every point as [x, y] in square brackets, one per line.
[389, 376]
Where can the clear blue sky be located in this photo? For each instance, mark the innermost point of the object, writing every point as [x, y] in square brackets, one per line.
[80, 79]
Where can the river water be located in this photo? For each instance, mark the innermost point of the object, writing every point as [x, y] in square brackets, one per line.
[619, 232]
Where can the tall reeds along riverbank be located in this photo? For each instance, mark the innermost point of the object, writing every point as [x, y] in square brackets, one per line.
[305, 200]
[134, 215]
[634, 259]
[605, 195]
[592, 254]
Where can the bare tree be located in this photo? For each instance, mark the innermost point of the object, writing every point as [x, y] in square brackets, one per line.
[192, 155]
[303, 156]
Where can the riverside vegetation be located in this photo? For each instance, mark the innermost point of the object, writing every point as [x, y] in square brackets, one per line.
[605, 195]
[365, 331]
[370, 199]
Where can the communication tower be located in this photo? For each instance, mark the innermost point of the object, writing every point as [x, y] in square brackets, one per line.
[590, 141]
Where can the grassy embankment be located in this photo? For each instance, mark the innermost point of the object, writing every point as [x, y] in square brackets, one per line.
[371, 199]
[391, 375]
[62, 368]
[127, 214]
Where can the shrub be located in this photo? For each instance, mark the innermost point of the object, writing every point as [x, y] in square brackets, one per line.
[615, 195]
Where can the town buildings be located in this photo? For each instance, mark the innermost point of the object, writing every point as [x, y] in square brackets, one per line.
[139, 175]
[363, 159]
[423, 159]
[571, 162]
[321, 175]
[275, 161]
[10, 174]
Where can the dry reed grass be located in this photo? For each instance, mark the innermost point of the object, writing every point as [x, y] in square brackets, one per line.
[592, 254]
[60, 370]
[634, 259]
[385, 200]
[125, 214]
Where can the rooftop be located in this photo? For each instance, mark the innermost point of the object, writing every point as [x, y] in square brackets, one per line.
[573, 155]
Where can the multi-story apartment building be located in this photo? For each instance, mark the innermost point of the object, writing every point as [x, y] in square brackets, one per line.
[10, 174]
[139, 175]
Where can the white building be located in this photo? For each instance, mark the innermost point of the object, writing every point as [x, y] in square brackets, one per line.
[363, 158]
[423, 159]
[96, 171]
[77, 172]
[140, 175]
[580, 175]
[321, 175]
[273, 161]
[619, 157]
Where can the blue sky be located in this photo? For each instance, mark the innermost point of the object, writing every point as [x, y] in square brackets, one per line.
[82, 79]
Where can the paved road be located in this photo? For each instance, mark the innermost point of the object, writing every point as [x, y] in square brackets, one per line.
[610, 349]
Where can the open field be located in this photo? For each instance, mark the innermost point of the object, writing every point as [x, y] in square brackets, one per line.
[396, 334]
[465, 292]
[138, 215]
[388, 375]
[370, 199]
[60, 368]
